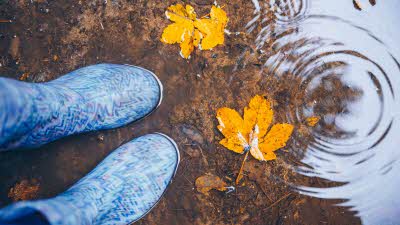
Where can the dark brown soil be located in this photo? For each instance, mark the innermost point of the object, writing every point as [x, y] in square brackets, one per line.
[47, 39]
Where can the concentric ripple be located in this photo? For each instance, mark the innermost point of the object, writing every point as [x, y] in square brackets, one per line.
[282, 12]
[349, 78]
[289, 11]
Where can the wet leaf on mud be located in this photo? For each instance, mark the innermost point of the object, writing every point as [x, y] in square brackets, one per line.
[312, 121]
[181, 31]
[24, 190]
[207, 182]
[190, 32]
[212, 29]
[254, 133]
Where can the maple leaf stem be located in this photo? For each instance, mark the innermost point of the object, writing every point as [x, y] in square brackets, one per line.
[279, 200]
[240, 175]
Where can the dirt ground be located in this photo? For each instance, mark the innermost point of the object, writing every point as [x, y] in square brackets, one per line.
[46, 39]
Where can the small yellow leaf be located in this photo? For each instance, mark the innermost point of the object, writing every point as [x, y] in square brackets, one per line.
[190, 32]
[312, 121]
[182, 30]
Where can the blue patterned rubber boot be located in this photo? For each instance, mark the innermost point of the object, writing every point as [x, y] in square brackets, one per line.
[120, 190]
[96, 97]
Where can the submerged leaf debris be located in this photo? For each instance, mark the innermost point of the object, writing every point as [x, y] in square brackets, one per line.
[207, 182]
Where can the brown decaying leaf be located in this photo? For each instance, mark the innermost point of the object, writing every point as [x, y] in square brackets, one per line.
[24, 190]
[207, 182]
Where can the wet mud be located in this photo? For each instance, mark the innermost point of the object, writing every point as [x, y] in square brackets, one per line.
[46, 39]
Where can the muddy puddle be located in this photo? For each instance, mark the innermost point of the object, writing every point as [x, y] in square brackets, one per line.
[334, 59]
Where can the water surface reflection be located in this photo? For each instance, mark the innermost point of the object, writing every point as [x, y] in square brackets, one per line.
[349, 76]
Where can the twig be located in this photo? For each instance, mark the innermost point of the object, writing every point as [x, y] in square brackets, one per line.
[201, 152]
[187, 179]
[240, 175]
[263, 191]
[285, 196]
[5, 21]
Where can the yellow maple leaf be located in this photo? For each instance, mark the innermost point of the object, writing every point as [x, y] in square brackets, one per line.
[254, 133]
[190, 32]
[181, 31]
[212, 28]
